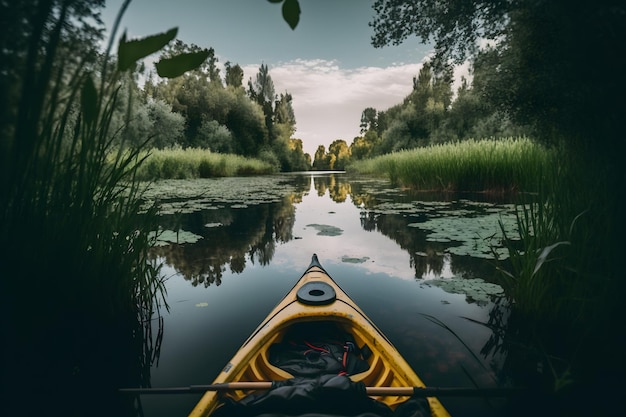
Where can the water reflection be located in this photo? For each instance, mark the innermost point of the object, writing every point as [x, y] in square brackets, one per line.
[401, 256]
[231, 237]
[239, 228]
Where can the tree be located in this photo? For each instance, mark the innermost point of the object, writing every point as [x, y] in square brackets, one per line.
[208, 69]
[414, 122]
[539, 78]
[536, 77]
[362, 146]
[455, 27]
[262, 92]
[246, 122]
[339, 153]
[368, 119]
[167, 128]
[284, 113]
[31, 27]
[215, 137]
[234, 75]
[298, 160]
[321, 162]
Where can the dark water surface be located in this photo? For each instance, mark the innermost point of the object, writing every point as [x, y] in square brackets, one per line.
[419, 265]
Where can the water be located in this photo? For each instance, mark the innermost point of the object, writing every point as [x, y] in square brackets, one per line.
[419, 265]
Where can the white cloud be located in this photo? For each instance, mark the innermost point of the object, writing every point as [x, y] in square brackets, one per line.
[328, 100]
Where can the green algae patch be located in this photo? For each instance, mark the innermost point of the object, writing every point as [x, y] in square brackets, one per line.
[186, 196]
[167, 237]
[212, 225]
[326, 230]
[476, 289]
[465, 227]
[351, 260]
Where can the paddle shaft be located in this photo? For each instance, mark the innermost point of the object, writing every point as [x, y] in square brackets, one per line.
[375, 391]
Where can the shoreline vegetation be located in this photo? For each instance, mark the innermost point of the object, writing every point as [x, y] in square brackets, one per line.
[178, 163]
[561, 292]
[505, 165]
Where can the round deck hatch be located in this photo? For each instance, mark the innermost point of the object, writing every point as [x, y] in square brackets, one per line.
[316, 293]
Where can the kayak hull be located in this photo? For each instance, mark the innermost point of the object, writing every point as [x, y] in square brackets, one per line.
[316, 297]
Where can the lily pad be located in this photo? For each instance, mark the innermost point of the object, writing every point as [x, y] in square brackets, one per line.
[182, 196]
[350, 260]
[166, 237]
[475, 289]
[326, 230]
[210, 225]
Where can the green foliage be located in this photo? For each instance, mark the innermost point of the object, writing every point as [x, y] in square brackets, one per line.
[72, 209]
[429, 116]
[129, 52]
[495, 165]
[298, 160]
[215, 137]
[177, 163]
[290, 10]
[534, 75]
[321, 161]
[339, 153]
[533, 287]
[180, 64]
[167, 128]
[234, 75]
[454, 27]
[225, 119]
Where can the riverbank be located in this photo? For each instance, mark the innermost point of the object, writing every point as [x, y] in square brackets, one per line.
[178, 163]
[487, 165]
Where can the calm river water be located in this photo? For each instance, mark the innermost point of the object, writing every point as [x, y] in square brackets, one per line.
[419, 265]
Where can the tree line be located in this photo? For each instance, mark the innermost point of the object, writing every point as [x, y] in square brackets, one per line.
[431, 114]
[203, 109]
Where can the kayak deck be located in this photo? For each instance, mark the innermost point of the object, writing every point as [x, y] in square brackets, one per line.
[317, 298]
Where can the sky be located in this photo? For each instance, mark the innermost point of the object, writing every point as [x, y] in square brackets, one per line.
[327, 63]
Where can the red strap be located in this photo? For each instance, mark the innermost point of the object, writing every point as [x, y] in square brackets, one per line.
[320, 349]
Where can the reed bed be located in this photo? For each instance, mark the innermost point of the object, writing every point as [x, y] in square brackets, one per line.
[474, 165]
[78, 285]
[178, 163]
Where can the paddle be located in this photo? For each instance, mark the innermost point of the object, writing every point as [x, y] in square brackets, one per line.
[380, 391]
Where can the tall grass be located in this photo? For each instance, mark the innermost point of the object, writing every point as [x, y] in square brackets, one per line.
[560, 271]
[198, 163]
[78, 288]
[475, 165]
[563, 280]
[563, 277]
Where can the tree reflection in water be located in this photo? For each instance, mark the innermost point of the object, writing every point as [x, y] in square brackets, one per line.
[237, 229]
[236, 234]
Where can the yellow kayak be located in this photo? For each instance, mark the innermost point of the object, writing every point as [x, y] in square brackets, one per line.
[316, 300]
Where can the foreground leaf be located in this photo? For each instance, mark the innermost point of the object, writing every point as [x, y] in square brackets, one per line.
[89, 100]
[291, 13]
[129, 52]
[179, 64]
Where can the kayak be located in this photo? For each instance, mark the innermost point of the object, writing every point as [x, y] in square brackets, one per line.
[364, 356]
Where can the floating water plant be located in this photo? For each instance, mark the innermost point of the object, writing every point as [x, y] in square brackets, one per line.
[475, 289]
[351, 260]
[166, 237]
[194, 195]
[326, 230]
[478, 236]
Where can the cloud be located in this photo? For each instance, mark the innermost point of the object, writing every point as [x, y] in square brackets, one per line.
[328, 100]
